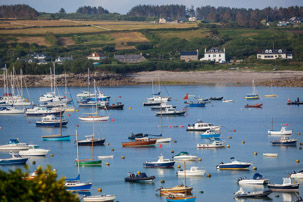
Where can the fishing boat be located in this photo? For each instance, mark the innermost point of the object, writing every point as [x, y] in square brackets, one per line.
[140, 142]
[201, 126]
[256, 180]
[296, 102]
[214, 143]
[287, 186]
[43, 111]
[58, 137]
[253, 194]
[14, 160]
[254, 106]
[11, 110]
[87, 162]
[139, 177]
[285, 141]
[51, 121]
[193, 103]
[97, 117]
[95, 198]
[193, 171]
[297, 175]
[234, 165]
[14, 145]
[160, 163]
[184, 156]
[117, 106]
[162, 106]
[34, 150]
[270, 155]
[75, 184]
[216, 98]
[283, 131]
[254, 95]
[210, 134]
[170, 112]
[173, 198]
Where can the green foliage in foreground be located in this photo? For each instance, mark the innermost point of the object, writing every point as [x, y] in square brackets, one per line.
[43, 187]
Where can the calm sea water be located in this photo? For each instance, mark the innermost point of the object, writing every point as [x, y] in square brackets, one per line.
[251, 126]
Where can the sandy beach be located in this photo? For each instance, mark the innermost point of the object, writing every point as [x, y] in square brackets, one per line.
[232, 77]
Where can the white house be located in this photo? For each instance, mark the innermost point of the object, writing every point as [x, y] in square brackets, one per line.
[96, 56]
[273, 54]
[214, 54]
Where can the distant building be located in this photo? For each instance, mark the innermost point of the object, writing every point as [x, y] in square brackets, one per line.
[273, 54]
[282, 23]
[192, 19]
[214, 54]
[295, 20]
[63, 59]
[189, 55]
[39, 56]
[130, 58]
[167, 21]
[96, 56]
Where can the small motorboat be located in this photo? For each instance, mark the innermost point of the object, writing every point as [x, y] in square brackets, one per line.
[34, 150]
[234, 165]
[254, 106]
[170, 112]
[201, 126]
[184, 156]
[139, 177]
[256, 180]
[11, 110]
[14, 145]
[106, 157]
[137, 135]
[211, 134]
[117, 106]
[91, 140]
[50, 121]
[152, 103]
[227, 100]
[140, 142]
[163, 106]
[14, 160]
[285, 141]
[161, 163]
[173, 190]
[287, 186]
[216, 98]
[297, 175]
[43, 111]
[274, 155]
[283, 131]
[193, 171]
[256, 194]
[214, 143]
[107, 198]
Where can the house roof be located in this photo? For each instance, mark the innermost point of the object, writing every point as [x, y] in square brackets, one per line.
[273, 51]
[188, 53]
[128, 57]
[215, 50]
[96, 54]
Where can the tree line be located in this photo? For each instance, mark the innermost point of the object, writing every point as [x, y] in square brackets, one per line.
[164, 11]
[18, 11]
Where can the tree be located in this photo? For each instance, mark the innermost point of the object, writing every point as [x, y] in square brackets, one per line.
[14, 186]
[62, 11]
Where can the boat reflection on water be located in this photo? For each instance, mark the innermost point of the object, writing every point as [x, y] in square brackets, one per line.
[252, 187]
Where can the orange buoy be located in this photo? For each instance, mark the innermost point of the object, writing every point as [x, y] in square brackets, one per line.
[77, 125]
[68, 115]
[119, 96]
[113, 120]
[234, 131]
[181, 126]
[29, 122]
[160, 145]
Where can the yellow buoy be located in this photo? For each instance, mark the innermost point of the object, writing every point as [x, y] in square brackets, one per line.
[107, 144]
[77, 110]
[52, 155]
[227, 146]
[199, 159]
[172, 151]
[301, 143]
[113, 149]
[230, 137]
[138, 172]
[122, 157]
[129, 108]
[208, 175]
[300, 147]
[107, 164]
[99, 190]
[243, 142]
[255, 153]
[175, 141]
[298, 161]
[178, 166]
[162, 181]
[255, 168]
[299, 133]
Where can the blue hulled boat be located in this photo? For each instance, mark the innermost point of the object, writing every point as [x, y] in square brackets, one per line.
[285, 141]
[234, 165]
[15, 159]
[210, 134]
[50, 121]
[76, 185]
[161, 163]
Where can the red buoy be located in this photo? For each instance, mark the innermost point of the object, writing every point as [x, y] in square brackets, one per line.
[160, 145]
[77, 125]
[68, 115]
[119, 96]
[113, 120]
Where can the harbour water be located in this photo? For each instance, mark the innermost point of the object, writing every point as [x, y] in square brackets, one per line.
[239, 123]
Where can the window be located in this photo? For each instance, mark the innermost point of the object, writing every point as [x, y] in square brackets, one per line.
[266, 51]
[280, 51]
[219, 56]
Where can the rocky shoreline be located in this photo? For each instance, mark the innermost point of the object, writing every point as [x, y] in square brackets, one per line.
[226, 78]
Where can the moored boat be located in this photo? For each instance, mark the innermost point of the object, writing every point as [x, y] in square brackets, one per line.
[91, 140]
[211, 134]
[142, 142]
[201, 126]
[161, 163]
[253, 194]
[14, 145]
[15, 159]
[94, 118]
[11, 110]
[175, 189]
[285, 141]
[193, 171]
[283, 131]
[139, 177]
[106, 157]
[256, 180]
[95, 198]
[270, 155]
[50, 121]
[184, 156]
[287, 186]
[170, 112]
[234, 165]
[254, 106]
[34, 150]
[117, 106]
[43, 111]
[214, 143]
[297, 175]
[254, 95]
[216, 98]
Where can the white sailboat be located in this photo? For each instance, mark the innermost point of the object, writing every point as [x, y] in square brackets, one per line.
[272, 94]
[254, 95]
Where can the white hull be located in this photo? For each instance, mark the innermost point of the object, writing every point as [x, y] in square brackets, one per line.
[283, 131]
[13, 111]
[270, 154]
[106, 157]
[227, 101]
[94, 118]
[211, 145]
[185, 158]
[34, 152]
[253, 182]
[297, 176]
[191, 172]
[99, 198]
[13, 147]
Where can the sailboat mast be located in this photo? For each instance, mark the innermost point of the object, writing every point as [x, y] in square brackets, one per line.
[77, 152]
[21, 73]
[60, 122]
[50, 74]
[54, 79]
[93, 140]
[88, 83]
[185, 177]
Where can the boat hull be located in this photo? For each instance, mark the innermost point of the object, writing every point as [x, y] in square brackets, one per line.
[233, 166]
[107, 198]
[50, 124]
[44, 114]
[91, 143]
[209, 135]
[97, 118]
[187, 199]
[158, 165]
[89, 162]
[253, 194]
[285, 188]
[56, 138]
[78, 186]
[150, 143]
[210, 146]
[289, 143]
[34, 152]
[13, 161]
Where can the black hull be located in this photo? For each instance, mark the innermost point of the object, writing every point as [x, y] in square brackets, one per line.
[112, 107]
[90, 143]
